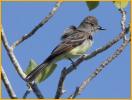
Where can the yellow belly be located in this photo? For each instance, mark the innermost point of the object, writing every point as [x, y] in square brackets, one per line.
[79, 50]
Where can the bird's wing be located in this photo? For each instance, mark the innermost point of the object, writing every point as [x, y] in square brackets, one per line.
[67, 32]
[68, 44]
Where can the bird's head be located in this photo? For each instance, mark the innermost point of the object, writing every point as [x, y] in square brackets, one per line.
[90, 24]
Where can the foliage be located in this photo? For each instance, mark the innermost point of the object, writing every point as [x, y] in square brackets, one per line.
[92, 5]
[44, 74]
[118, 4]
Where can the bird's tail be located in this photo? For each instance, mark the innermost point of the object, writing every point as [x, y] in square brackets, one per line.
[33, 74]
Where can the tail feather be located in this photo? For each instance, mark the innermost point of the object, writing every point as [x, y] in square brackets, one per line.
[31, 76]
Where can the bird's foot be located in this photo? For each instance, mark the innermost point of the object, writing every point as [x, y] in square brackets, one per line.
[72, 62]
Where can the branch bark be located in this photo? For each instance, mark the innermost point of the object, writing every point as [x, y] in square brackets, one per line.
[59, 91]
[43, 22]
[17, 65]
[26, 94]
[36, 90]
[7, 84]
[123, 20]
[86, 57]
[12, 56]
[99, 69]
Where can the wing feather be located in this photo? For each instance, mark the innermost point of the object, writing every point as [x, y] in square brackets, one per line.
[68, 44]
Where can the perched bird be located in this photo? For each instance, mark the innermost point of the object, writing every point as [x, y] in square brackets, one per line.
[74, 43]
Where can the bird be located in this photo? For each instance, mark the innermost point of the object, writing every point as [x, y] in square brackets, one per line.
[74, 42]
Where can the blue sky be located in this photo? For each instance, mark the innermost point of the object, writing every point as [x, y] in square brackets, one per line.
[18, 18]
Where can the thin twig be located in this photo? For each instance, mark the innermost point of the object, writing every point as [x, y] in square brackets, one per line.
[12, 56]
[36, 90]
[75, 93]
[17, 65]
[26, 94]
[86, 57]
[59, 91]
[33, 87]
[100, 68]
[7, 84]
[123, 20]
[44, 21]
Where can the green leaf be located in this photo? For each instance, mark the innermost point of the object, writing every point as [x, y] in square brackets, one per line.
[121, 4]
[46, 73]
[31, 66]
[92, 4]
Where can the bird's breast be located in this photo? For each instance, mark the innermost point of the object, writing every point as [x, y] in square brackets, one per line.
[81, 49]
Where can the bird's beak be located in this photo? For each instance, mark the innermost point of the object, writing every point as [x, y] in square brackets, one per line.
[100, 28]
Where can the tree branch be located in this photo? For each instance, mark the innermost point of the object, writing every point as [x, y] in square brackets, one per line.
[7, 84]
[44, 21]
[17, 65]
[26, 93]
[36, 90]
[12, 56]
[99, 69]
[86, 57]
[59, 91]
[123, 20]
